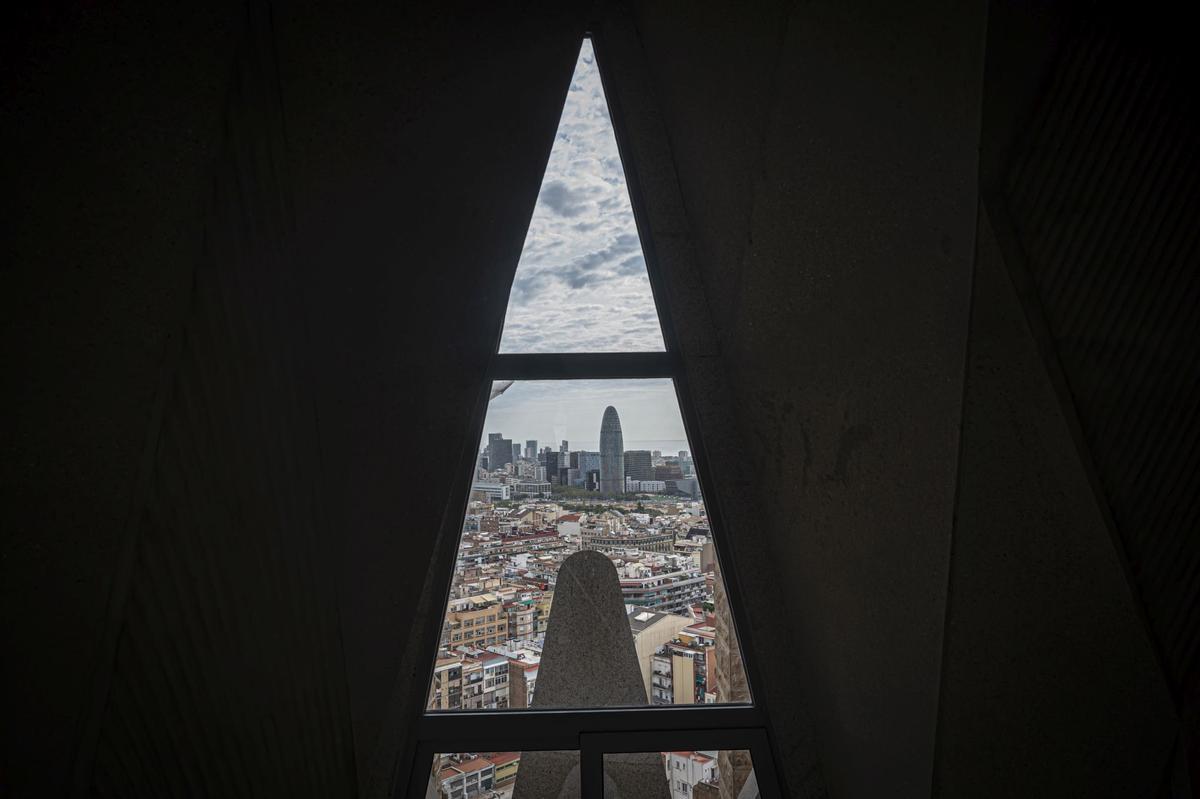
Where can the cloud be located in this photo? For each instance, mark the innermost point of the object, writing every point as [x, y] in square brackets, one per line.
[601, 266]
[562, 199]
[634, 265]
[581, 283]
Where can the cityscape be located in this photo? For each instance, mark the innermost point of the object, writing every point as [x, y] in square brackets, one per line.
[532, 505]
[579, 466]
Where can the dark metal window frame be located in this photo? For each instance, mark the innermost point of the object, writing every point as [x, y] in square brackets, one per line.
[593, 732]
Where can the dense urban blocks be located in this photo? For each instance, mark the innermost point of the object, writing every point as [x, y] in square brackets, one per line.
[527, 519]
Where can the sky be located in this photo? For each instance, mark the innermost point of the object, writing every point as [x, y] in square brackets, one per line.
[581, 286]
[581, 283]
[553, 410]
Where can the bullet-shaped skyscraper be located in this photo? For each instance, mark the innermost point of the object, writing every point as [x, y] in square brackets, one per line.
[612, 454]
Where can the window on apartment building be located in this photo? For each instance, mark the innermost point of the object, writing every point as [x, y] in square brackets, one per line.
[588, 521]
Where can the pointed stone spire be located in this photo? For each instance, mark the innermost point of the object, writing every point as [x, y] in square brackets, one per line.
[588, 661]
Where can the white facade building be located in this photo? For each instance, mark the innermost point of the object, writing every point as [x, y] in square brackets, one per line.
[685, 770]
[532, 488]
[493, 491]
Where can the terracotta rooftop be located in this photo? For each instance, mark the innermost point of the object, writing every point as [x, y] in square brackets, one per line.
[696, 756]
[500, 758]
[474, 764]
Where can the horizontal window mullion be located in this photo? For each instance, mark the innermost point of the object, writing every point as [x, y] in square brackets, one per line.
[562, 728]
[583, 365]
[476, 741]
[673, 740]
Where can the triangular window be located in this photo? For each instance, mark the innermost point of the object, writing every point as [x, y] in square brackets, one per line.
[581, 284]
[586, 576]
[602, 466]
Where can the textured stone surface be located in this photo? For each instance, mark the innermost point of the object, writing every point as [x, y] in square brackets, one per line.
[1050, 685]
[419, 138]
[257, 641]
[589, 661]
[831, 212]
[355, 270]
[634, 775]
[750, 788]
[110, 121]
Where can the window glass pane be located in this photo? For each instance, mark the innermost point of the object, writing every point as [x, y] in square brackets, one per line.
[581, 283]
[499, 775]
[707, 774]
[586, 574]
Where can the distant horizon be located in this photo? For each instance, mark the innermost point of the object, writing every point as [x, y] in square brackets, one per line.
[666, 446]
[553, 410]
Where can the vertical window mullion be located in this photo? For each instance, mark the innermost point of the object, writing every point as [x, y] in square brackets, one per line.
[591, 769]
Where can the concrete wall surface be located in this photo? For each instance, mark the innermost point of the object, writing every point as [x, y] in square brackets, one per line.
[830, 203]
[258, 255]
[111, 121]
[1045, 650]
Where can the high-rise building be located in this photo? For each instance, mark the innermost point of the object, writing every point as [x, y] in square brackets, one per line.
[612, 453]
[516, 450]
[531, 449]
[681, 671]
[637, 464]
[668, 471]
[446, 691]
[550, 463]
[500, 451]
[665, 591]
[522, 677]
[651, 631]
[585, 463]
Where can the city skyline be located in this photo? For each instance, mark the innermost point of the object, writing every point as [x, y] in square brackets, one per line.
[553, 410]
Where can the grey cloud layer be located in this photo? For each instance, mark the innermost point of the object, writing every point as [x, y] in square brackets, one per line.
[581, 284]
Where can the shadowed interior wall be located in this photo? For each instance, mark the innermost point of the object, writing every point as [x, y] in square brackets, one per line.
[1045, 649]
[832, 205]
[1103, 195]
[418, 134]
[111, 122]
[1092, 187]
[228, 674]
[354, 227]
[275, 243]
